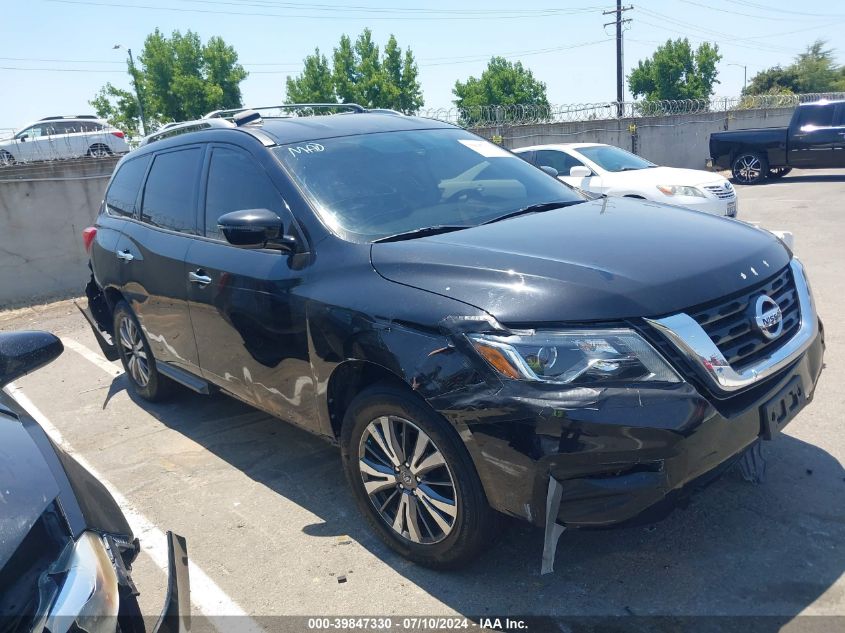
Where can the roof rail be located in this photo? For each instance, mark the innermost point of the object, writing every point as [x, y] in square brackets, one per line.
[219, 114]
[70, 116]
[185, 127]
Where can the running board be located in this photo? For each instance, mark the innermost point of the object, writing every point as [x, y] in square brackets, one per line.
[194, 383]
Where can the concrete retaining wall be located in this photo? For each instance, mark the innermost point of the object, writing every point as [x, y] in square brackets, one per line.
[679, 140]
[43, 210]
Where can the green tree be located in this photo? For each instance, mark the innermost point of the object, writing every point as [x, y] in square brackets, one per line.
[315, 85]
[179, 79]
[676, 71]
[359, 73]
[502, 83]
[814, 70]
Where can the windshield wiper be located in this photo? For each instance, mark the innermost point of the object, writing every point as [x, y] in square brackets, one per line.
[423, 232]
[535, 208]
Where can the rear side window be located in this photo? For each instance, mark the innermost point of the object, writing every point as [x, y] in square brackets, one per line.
[170, 192]
[124, 188]
[816, 116]
[236, 182]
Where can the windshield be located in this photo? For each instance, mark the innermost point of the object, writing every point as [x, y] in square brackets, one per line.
[378, 185]
[612, 158]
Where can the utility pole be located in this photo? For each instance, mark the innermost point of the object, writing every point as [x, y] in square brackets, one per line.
[137, 91]
[744, 75]
[620, 71]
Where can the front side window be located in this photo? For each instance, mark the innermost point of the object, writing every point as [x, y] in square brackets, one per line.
[612, 158]
[377, 185]
[235, 183]
[561, 161]
[124, 188]
[170, 192]
[33, 131]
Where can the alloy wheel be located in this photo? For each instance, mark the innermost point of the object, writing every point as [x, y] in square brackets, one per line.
[408, 480]
[99, 151]
[748, 168]
[133, 352]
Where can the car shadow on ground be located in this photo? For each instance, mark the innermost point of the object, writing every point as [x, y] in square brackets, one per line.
[765, 550]
[800, 178]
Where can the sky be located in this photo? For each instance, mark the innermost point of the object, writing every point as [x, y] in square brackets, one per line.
[56, 54]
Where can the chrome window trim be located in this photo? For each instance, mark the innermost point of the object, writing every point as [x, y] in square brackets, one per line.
[691, 340]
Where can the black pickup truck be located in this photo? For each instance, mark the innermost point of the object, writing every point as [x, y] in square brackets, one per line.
[815, 139]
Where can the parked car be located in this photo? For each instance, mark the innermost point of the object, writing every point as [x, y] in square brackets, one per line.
[63, 137]
[66, 549]
[609, 170]
[473, 333]
[814, 139]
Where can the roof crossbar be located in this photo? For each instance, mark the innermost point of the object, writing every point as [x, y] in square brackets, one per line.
[354, 107]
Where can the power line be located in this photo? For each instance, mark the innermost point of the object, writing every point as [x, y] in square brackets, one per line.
[336, 14]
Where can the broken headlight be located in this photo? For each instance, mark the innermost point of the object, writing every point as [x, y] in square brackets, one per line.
[577, 357]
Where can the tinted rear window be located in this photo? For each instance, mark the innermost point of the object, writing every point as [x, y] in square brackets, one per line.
[170, 193]
[123, 192]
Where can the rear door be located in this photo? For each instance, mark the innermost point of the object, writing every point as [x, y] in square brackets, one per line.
[837, 158]
[154, 254]
[249, 321]
[812, 139]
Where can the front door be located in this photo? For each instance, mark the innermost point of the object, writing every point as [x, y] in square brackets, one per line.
[154, 255]
[249, 322]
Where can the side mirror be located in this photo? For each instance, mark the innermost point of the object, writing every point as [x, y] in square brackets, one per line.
[23, 138]
[551, 171]
[23, 352]
[580, 171]
[255, 228]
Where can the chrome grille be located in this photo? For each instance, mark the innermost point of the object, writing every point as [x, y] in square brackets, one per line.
[720, 192]
[730, 324]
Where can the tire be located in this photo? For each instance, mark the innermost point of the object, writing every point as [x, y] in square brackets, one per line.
[6, 159]
[99, 150]
[779, 172]
[750, 168]
[443, 536]
[137, 358]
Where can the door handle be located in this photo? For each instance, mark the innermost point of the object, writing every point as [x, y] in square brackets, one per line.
[125, 255]
[199, 278]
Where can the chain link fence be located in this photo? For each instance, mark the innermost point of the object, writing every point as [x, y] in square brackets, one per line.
[513, 115]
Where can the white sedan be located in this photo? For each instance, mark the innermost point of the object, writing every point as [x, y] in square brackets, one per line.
[606, 169]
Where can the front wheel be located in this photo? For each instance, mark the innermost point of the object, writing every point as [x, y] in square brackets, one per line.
[779, 172]
[137, 358]
[413, 479]
[6, 159]
[750, 168]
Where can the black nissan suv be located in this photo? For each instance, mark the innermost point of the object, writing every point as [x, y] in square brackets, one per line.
[478, 337]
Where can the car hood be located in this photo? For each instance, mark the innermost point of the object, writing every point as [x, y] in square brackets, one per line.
[27, 485]
[664, 176]
[606, 259]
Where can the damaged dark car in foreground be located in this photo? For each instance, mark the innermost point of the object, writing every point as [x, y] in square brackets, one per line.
[476, 336]
[66, 549]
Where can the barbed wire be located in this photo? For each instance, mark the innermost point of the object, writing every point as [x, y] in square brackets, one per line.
[512, 115]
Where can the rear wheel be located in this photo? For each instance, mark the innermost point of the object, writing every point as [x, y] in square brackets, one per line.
[6, 159]
[750, 168]
[413, 479]
[137, 358]
[99, 150]
[779, 172]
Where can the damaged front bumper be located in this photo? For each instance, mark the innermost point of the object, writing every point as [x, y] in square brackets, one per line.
[619, 455]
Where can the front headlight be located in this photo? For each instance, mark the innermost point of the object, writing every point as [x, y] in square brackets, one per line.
[681, 190]
[577, 357]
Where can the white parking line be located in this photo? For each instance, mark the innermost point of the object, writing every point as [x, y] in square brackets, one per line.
[206, 595]
[110, 368]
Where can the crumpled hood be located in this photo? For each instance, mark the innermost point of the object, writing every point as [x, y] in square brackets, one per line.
[27, 485]
[606, 259]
